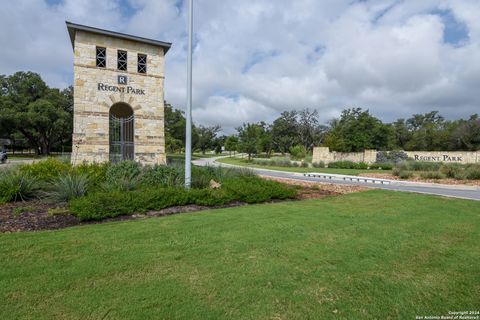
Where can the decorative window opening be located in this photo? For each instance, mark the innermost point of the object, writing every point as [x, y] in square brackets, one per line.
[122, 60]
[142, 63]
[101, 58]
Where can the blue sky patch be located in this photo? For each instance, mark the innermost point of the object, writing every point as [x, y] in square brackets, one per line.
[455, 32]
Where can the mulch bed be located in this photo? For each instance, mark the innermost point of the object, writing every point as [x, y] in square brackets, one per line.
[37, 215]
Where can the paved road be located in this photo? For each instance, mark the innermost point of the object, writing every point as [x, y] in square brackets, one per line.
[463, 192]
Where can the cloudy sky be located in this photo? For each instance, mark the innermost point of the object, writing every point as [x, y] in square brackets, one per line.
[256, 58]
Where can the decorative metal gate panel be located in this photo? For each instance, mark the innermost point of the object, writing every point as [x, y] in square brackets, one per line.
[121, 138]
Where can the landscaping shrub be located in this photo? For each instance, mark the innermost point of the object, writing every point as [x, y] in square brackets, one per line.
[162, 176]
[96, 172]
[453, 170]
[348, 165]
[304, 164]
[432, 175]
[245, 188]
[298, 152]
[419, 166]
[255, 189]
[473, 172]
[402, 173]
[46, 170]
[123, 175]
[280, 162]
[68, 186]
[319, 164]
[100, 205]
[261, 162]
[16, 185]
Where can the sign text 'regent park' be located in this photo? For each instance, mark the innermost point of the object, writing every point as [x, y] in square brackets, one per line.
[442, 158]
[127, 89]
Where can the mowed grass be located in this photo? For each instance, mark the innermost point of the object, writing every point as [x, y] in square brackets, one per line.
[353, 172]
[371, 255]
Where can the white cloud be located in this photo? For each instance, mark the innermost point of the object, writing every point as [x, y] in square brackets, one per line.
[256, 58]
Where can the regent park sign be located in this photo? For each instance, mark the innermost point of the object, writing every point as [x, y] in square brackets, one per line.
[435, 158]
[122, 80]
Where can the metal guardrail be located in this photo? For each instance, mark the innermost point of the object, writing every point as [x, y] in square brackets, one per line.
[327, 176]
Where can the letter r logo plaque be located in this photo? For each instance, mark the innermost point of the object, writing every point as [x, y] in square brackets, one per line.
[122, 79]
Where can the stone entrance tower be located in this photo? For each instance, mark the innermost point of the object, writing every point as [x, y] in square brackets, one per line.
[118, 96]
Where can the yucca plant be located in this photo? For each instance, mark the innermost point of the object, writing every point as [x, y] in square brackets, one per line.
[68, 186]
[17, 186]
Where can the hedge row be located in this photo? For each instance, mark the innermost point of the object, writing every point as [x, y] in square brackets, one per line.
[100, 205]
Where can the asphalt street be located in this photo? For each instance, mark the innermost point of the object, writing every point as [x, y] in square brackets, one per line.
[463, 192]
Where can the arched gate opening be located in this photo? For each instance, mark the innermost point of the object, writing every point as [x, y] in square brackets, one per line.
[121, 132]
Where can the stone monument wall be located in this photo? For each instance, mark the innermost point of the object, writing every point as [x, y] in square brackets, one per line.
[96, 90]
[323, 154]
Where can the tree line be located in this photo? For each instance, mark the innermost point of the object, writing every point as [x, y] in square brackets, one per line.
[355, 130]
[39, 117]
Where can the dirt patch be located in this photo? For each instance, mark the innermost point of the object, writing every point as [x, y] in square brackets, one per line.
[419, 179]
[33, 216]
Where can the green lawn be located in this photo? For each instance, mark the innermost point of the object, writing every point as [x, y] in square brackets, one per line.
[371, 255]
[353, 172]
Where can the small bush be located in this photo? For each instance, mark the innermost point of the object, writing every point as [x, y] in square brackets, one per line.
[402, 173]
[298, 152]
[348, 165]
[304, 164]
[452, 170]
[124, 176]
[46, 170]
[68, 186]
[281, 162]
[319, 164]
[419, 166]
[255, 190]
[432, 175]
[405, 174]
[16, 185]
[473, 172]
[261, 162]
[96, 172]
[162, 176]
[102, 205]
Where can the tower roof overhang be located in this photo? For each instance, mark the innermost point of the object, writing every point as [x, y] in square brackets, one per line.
[73, 28]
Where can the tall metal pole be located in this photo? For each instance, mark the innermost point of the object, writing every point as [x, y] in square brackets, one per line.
[188, 131]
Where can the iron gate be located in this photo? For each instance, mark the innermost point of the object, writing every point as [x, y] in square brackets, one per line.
[121, 138]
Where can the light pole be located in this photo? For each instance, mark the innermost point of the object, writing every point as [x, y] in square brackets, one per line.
[188, 131]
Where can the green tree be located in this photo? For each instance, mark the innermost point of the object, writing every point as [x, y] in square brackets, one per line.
[231, 144]
[284, 131]
[250, 138]
[310, 132]
[175, 124]
[357, 130]
[43, 116]
[206, 137]
[466, 135]
[429, 131]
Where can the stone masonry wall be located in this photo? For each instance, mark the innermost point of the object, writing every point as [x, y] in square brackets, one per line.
[91, 105]
[323, 154]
